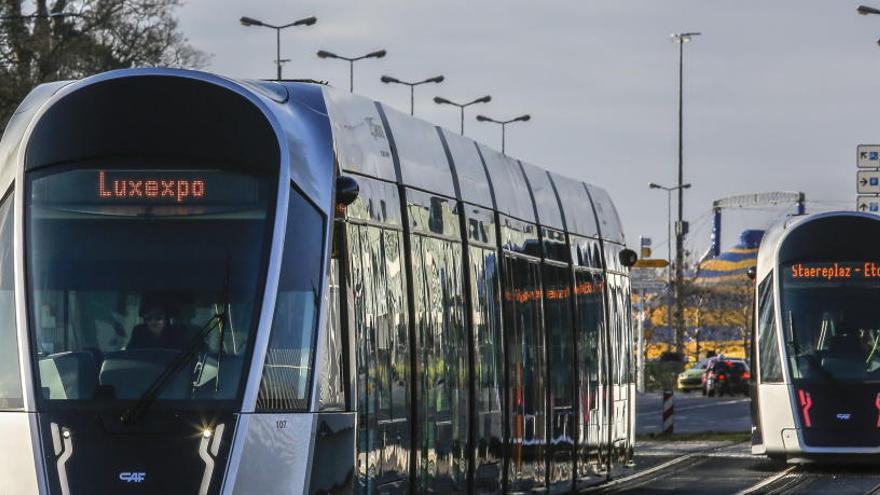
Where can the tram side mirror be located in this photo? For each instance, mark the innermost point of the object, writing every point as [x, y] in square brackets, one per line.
[628, 258]
[347, 190]
[752, 272]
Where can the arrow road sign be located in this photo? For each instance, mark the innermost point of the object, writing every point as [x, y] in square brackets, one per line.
[870, 204]
[868, 181]
[868, 156]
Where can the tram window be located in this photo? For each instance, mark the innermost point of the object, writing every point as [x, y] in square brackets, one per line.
[287, 370]
[331, 394]
[10, 377]
[118, 291]
[771, 365]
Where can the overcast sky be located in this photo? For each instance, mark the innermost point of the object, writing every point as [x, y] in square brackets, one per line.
[777, 93]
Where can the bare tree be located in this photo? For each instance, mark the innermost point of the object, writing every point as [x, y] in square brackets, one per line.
[70, 39]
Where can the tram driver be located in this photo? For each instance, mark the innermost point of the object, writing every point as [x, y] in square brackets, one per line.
[156, 331]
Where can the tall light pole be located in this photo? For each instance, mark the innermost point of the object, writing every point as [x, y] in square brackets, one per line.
[461, 106]
[351, 61]
[681, 226]
[412, 86]
[503, 123]
[669, 191]
[250, 21]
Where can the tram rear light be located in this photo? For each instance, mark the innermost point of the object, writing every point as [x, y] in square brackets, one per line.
[806, 403]
[746, 375]
[722, 376]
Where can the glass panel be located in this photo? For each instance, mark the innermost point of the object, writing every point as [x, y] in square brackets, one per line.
[331, 394]
[443, 368]
[771, 365]
[10, 374]
[488, 369]
[469, 167]
[287, 371]
[130, 269]
[526, 370]
[591, 317]
[382, 341]
[432, 214]
[560, 338]
[359, 136]
[511, 192]
[545, 197]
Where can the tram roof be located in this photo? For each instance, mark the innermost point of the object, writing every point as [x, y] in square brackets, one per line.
[373, 140]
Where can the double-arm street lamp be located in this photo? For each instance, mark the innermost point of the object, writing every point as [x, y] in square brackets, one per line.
[249, 21]
[503, 123]
[443, 101]
[412, 85]
[351, 61]
[669, 191]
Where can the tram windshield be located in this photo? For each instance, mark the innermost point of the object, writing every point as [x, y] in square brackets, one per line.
[133, 273]
[831, 323]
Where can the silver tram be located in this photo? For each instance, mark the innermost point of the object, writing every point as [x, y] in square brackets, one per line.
[217, 286]
[816, 346]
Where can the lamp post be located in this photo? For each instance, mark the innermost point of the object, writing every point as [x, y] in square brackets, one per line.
[461, 106]
[669, 191]
[412, 86]
[681, 228]
[250, 21]
[503, 123]
[351, 61]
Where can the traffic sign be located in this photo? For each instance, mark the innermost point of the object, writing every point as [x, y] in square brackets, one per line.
[647, 263]
[868, 181]
[869, 204]
[868, 156]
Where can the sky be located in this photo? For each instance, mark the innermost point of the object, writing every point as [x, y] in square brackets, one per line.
[777, 94]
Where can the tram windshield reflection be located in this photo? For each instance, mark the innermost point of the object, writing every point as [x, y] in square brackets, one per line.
[830, 319]
[122, 283]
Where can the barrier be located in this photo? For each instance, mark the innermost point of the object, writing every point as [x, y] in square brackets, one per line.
[668, 410]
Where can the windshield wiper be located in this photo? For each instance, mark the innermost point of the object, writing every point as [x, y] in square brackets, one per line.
[136, 411]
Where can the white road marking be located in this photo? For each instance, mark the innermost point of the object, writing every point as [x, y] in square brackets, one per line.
[767, 481]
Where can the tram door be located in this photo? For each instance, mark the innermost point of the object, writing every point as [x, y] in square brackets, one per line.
[590, 324]
[376, 274]
[561, 362]
[526, 375]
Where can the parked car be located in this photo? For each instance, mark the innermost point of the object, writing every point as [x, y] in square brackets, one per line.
[692, 378]
[726, 376]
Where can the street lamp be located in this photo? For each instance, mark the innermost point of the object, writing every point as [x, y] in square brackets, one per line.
[412, 85]
[865, 10]
[250, 21]
[351, 61]
[680, 231]
[503, 123]
[443, 101]
[669, 242]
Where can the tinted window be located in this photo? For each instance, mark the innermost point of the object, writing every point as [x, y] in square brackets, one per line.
[287, 370]
[10, 377]
[771, 365]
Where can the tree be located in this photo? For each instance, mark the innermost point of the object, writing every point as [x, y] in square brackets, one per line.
[71, 39]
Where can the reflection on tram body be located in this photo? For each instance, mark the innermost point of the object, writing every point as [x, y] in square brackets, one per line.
[212, 286]
[816, 390]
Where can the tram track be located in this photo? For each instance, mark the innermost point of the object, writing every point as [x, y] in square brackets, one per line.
[660, 471]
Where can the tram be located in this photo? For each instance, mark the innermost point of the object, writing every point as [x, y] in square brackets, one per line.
[218, 286]
[816, 347]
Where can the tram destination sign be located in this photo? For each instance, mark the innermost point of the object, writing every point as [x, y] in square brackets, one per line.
[831, 271]
[868, 156]
[868, 181]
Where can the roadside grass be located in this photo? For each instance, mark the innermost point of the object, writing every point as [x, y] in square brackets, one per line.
[708, 436]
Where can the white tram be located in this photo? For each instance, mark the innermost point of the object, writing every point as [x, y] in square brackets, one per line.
[816, 378]
[216, 286]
